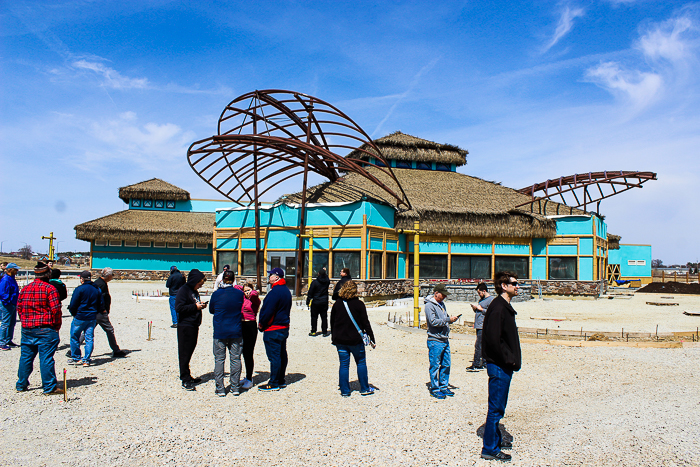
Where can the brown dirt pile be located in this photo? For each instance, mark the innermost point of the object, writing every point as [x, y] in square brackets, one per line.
[671, 288]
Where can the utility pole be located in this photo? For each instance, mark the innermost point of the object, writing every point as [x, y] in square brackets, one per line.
[416, 269]
[50, 238]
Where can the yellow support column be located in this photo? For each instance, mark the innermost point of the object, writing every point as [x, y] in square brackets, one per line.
[416, 270]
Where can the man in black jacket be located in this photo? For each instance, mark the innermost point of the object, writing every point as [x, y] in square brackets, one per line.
[174, 282]
[317, 300]
[189, 317]
[103, 314]
[344, 277]
[501, 350]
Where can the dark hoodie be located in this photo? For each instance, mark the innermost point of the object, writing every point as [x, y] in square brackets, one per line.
[318, 290]
[337, 287]
[186, 301]
[174, 282]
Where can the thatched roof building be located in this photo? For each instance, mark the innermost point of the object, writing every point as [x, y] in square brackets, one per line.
[154, 188]
[402, 147]
[614, 242]
[158, 226]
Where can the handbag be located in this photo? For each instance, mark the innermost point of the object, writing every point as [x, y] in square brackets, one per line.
[365, 336]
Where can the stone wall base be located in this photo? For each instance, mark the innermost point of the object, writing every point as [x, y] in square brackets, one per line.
[129, 275]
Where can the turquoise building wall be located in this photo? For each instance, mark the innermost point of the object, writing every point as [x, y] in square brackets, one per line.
[151, 258]
[635, 253]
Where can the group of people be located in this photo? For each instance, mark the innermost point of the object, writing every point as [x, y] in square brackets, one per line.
[497, 348]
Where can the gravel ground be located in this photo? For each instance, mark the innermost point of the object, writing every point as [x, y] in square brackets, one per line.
[568, 406]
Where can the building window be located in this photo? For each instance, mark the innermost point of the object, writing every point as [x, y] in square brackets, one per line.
[115, 243]
[517, 264]
[563, 268]
[131, 243]
[144, 244]
[379, 163]
[391, 265]
[443, 167]
[159, 244]
[424, 166]
[320, 261]
[135, 203]
[431, 266]
[202, 246]
[636, 262]
[226, 257]
[160, 203]
[170, 204]
[346, 259]
[100, 243]
[403, 165]
[249, 268]
[471, 267]
[173, 245]
[375, 265]
[188, 245]
[147, 203]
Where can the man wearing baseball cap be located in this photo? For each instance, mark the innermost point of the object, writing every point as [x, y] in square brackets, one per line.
[85, 303]
[9, 291]
[438, 342]
[274, 323]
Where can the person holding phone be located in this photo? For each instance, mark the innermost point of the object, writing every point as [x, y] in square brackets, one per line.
[438, 342]
[189, 317]
[485, 299]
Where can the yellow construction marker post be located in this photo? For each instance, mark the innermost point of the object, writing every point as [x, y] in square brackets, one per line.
[416, 270]
[150, 326]
[50, 238]
[65, 387]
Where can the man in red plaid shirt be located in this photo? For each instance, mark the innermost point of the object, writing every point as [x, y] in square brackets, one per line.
[39, 310]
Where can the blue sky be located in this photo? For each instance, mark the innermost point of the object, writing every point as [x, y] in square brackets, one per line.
[96, 95]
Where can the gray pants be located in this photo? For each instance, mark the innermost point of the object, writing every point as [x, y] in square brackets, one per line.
[103, 321]
[234, 347]
[477, 350]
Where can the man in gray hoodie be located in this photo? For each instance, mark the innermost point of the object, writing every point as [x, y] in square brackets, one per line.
[438, 342]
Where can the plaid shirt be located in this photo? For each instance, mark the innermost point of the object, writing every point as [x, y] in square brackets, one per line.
[39, 306]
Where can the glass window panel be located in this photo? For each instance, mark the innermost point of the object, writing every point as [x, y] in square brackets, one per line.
[443, 167]
[248, 268]
[431, 266]
[346, 259]
[516, 264]
[403, 165]
[225, 257]
[481, 267]
[471, 267]
[424, 166]
[375, 266]
[562, 268]
[461, 267]
[320, 261]
[391, 265]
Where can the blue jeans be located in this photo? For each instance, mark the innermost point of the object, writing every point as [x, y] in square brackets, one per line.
[276, 349]
[173, 313]
[8, 319]
[499, 384]
[440, 362]
[77, 327]
[43, 341]
[358, 352]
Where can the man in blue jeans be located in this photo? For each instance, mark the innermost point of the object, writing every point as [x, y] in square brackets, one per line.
[174, 282]
[9, 291]
[501, 350]
[84, 306]
[274, 323]
[438, 342]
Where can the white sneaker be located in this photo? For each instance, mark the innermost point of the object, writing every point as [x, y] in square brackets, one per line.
[246, 383]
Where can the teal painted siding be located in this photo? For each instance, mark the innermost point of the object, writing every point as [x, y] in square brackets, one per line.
[559, 250]
[471, 248]
[249, 243]
[376, 243]
[432, 247]
[500, 249]
[585, 269]
[348, 243]
[227, 244]
[401, 272]
[585, 246]
[539, 267]
[379, 215]
[168, 251]
[280, 240]
[578, 225]
[319, 243]
[539, 246]
[150, 262]
[391, 245]
[633, 253]
[402, 242]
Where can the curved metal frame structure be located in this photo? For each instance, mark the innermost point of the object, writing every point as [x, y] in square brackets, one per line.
[614, 182]
[268, 137]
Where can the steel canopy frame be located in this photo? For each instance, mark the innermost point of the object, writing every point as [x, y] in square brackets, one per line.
[614, 182]
[267, 137]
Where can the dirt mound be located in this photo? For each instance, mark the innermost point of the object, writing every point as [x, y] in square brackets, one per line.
[671, 287]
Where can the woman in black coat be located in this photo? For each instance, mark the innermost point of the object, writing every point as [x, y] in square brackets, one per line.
[348, 340]
[317, 299]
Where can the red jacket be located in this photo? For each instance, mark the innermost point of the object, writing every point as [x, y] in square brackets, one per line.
[38, 306]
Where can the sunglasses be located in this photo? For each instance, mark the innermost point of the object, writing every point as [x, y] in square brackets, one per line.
[514, 284]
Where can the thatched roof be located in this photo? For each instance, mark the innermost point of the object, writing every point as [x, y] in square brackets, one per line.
[158, 226]
[614, 242]
[446, 203]
[405, 147]
[154, 188]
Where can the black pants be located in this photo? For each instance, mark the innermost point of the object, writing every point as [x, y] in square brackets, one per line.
[103, 321]
[322, 310]
[250, 336]
[186, 343]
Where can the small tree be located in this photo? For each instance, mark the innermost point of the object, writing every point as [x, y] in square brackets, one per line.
[657, 263]
[25, 252]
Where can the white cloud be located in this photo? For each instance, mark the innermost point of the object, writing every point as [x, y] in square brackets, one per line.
[566, 23]
[665, 41]
[111, 77]
[639, 88]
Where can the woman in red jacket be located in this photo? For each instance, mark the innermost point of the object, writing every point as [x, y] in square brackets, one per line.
[251, 305]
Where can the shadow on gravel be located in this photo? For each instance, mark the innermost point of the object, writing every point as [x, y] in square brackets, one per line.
[263, 376]
[108, 358]
[292, 378]
[84, 381]
[504, 433]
